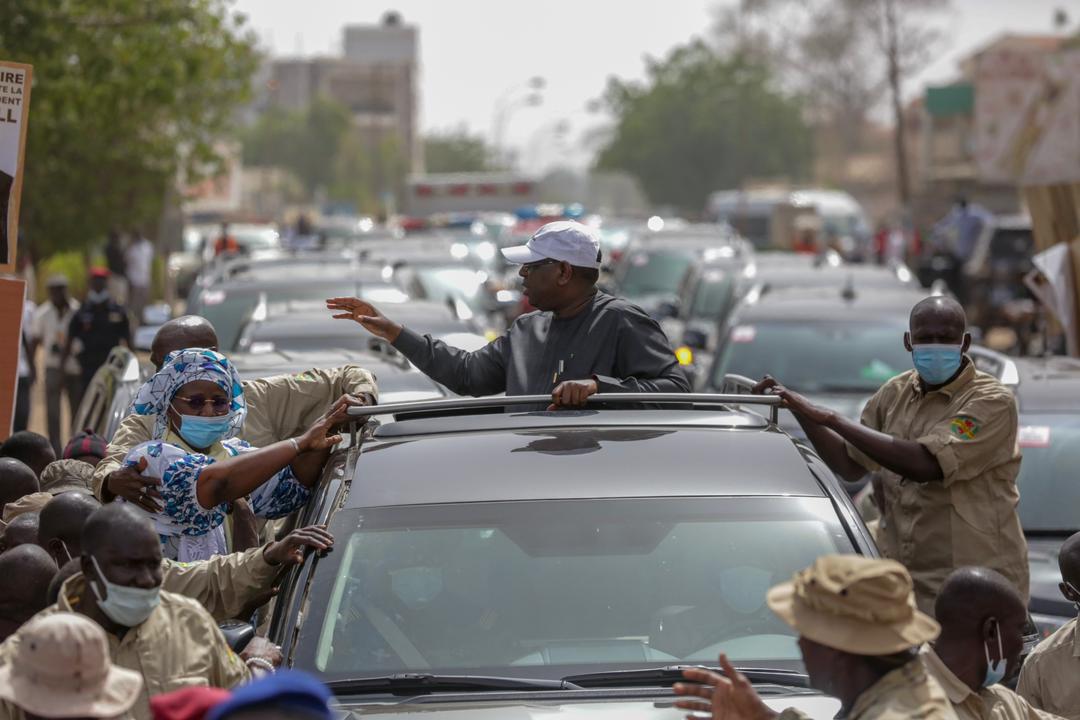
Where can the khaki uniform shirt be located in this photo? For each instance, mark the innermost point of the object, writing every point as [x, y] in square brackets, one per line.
[996, 702]
[907, 692]
[1050, 679]
[278, 407]
[969, 516]
[178, 646]
[226, 585]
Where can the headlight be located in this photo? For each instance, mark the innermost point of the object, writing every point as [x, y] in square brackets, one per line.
[485, 251]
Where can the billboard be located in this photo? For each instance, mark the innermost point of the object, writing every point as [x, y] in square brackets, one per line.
[15, 80]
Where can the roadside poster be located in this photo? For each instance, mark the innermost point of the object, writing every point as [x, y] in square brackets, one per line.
[12, 293]
[15, 81]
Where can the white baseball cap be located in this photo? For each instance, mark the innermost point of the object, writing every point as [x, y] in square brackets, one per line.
[563, 240]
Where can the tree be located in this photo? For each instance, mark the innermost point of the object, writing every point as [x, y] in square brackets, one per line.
[127, 95]
[842, 55]
[308, 143]
[702, 122]
[457, 151]
[331, 157]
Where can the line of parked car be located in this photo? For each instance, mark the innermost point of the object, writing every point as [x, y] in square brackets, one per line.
[566, 562]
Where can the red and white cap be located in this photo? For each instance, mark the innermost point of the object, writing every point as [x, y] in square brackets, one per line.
[563, 240]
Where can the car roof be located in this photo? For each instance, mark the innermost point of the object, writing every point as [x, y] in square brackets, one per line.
[319, 322]
[578, 455]
[393, 375]
[830, 304]
[1050, 384]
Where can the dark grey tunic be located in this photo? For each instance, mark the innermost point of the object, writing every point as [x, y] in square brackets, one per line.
[611, 340]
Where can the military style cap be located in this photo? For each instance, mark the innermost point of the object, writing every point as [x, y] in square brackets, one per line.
[859, 605]
[65, 475]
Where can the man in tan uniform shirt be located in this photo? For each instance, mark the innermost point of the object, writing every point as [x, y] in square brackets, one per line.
[1050, 679]
[947, 452]
[982, 620]
[859, 631]
[278, 408]
[176, 643]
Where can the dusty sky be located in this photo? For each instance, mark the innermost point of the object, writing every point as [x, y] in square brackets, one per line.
[474, 51]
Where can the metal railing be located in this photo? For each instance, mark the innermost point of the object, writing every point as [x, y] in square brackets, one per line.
[693, 399]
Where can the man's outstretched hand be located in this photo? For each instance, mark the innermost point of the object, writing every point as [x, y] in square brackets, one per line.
[725, 698]
[366, 315]
[290, 550]
[793, 401]
[572, 394]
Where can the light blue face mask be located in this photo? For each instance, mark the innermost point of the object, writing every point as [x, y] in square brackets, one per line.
[936, 363]
[995, 671]
[201, 432]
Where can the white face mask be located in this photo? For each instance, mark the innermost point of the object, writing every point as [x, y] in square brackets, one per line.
[97, 296]
[127, 606]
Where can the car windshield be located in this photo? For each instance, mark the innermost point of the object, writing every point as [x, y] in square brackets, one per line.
[655, 273]
[440, 283]
[1049, 493]
[816, 357]
[228, 309]
[714, 297]
[547, 588]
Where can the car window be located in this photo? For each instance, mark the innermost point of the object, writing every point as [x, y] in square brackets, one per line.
[551, 586]
[228, 309]
[816, 357]
[1049, 492]
[655, 273]
[713, 298]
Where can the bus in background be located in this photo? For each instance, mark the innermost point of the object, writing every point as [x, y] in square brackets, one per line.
[805, 220]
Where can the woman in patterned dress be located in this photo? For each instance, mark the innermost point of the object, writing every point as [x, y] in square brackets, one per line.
[199, 406]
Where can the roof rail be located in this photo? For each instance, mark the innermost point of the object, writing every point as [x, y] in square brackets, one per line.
[709, 399]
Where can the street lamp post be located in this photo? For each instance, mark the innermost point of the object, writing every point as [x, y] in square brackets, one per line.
[507, 103]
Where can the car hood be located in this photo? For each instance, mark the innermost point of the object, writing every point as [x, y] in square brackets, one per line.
[636, 708]
[1046, 598]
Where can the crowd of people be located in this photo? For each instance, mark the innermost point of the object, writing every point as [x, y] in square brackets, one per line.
[129, 554]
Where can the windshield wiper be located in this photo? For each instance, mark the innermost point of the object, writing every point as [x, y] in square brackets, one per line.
[671, 674]
[421, 683]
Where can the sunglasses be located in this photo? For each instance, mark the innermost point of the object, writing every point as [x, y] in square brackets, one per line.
[197, 402]
[529, 267]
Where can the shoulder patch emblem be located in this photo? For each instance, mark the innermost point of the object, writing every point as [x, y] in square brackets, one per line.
[965, 427]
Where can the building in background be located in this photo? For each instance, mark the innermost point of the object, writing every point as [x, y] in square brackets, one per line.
[1010, 118]
[376, 79]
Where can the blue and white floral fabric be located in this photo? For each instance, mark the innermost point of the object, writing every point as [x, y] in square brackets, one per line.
[188, 531]
[180, 368]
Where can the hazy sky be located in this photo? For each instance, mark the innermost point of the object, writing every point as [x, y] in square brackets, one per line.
[473, 51]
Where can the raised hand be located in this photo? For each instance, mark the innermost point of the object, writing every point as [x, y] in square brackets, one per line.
[725, 698]
[130, 484]
[366, 314]
[290, 549]
[318, 436]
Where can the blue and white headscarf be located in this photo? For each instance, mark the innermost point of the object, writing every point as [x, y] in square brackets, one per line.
[180, 368]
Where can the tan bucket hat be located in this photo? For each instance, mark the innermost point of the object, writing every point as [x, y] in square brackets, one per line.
[860, 605]
[65, 475]
[62, 668]
[26, 504]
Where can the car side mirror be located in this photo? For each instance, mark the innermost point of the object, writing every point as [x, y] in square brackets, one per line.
[694, 339]
[237, 634]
